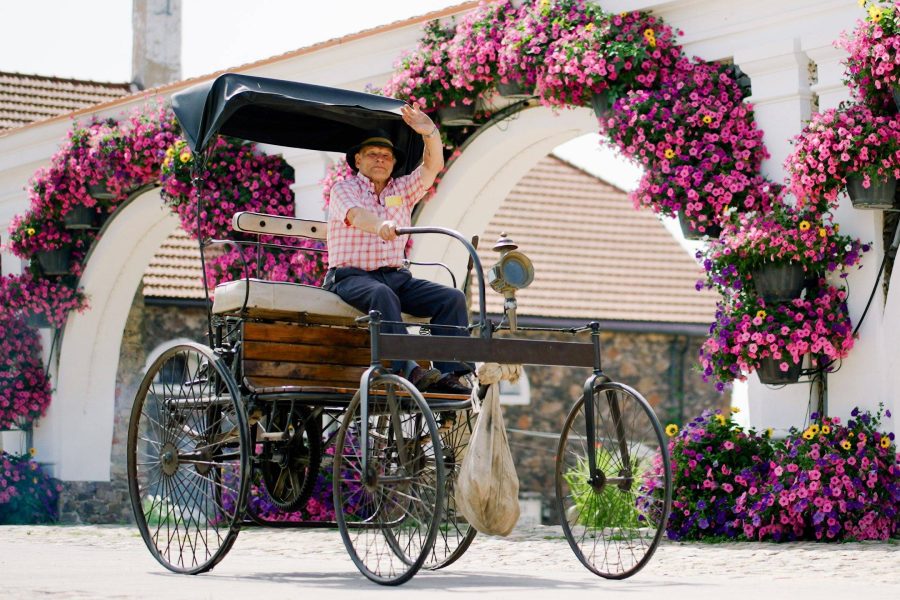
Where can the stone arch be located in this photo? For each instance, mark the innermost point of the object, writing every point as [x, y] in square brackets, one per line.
[491, 163]
[79, 424]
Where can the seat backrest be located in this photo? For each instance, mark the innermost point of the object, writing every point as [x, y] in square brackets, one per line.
[262, 223]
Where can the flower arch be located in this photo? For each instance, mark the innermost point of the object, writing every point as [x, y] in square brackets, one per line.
[99, 167]
[684, 120]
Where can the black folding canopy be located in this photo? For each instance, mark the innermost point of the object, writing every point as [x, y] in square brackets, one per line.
[288, 113]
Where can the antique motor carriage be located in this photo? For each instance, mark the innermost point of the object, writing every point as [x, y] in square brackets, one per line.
[291, 383]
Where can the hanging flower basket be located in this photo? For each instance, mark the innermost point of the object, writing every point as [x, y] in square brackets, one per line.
[457, 116]
[779, 283]
[514, 90]
[690, 231]
[99, 191]
[879, 195]
[54, 262]
[37, 320]
[80, 217]
[770, 372]
[601, 104]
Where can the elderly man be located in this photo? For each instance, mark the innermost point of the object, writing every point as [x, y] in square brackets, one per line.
[365, 254]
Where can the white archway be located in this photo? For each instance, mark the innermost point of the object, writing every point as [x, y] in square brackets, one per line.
[481, 177]
[79, 425]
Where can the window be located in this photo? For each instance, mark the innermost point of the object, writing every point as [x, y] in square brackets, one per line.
[516, 394]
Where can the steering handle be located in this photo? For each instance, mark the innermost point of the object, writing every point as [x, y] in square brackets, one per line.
[485, 331]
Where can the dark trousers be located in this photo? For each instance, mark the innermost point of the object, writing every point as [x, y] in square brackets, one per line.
[394, 291]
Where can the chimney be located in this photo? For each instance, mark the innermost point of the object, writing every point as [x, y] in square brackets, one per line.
[156, 50]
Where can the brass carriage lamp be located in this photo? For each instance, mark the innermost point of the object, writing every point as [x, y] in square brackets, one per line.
[514, 271]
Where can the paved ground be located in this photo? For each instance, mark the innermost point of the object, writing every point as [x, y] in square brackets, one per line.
[533, 563]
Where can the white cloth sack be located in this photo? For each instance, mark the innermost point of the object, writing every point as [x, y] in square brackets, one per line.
[487, 488]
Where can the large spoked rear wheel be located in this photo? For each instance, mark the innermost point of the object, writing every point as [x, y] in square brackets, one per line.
[389, 512]
[614, 520]
[188, 459]
[455, 534]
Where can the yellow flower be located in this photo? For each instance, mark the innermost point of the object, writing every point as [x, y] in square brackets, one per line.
[885, 442]
[720, 419]
[826, 429]
[805, 225]
[861, 2]
[837, 227]
[669, 153]
[822, 232]
[735, 410]
[671, 430]
[32, 451]
[185, 156]
[761, 314]
[814, 428]
[589, 27]
[769, 432]
[170, 152]
[851, 434]
[30, 231]
[649, 33]
[875, 13]
[707, 119]
[808, 435]
[845, 444]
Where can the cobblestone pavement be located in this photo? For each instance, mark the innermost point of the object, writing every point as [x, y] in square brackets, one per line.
[532, 563]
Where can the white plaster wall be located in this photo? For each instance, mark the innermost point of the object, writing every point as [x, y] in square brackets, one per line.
[76, 434]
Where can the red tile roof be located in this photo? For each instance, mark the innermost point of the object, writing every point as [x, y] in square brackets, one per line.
[595, 256]
[26, 99]
[174, 272]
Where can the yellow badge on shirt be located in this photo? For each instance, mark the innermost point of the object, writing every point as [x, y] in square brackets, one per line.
[393, 201]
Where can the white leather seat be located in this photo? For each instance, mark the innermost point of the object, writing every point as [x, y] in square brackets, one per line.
[290, 301]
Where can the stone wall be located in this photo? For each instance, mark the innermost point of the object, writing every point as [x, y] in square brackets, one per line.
[148, 327]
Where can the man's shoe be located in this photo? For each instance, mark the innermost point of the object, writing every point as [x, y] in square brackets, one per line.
[424, 378]
[450, 384]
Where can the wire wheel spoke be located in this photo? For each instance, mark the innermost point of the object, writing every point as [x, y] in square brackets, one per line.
[455, 534]
[187, 459]
[613, 515]
[389, 510]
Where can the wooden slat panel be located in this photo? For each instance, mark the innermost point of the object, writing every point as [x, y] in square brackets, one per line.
[304, 371]
[299, 353]
[285, 332]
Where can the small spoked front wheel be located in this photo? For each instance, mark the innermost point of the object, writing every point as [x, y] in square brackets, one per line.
[614, 515]
[389, 481]
[188, 459]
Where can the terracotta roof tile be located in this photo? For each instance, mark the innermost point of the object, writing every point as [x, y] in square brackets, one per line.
[595, 256]
[28, 98]
[174, 272]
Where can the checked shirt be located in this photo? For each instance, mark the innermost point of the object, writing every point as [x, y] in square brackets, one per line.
[352, 247]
